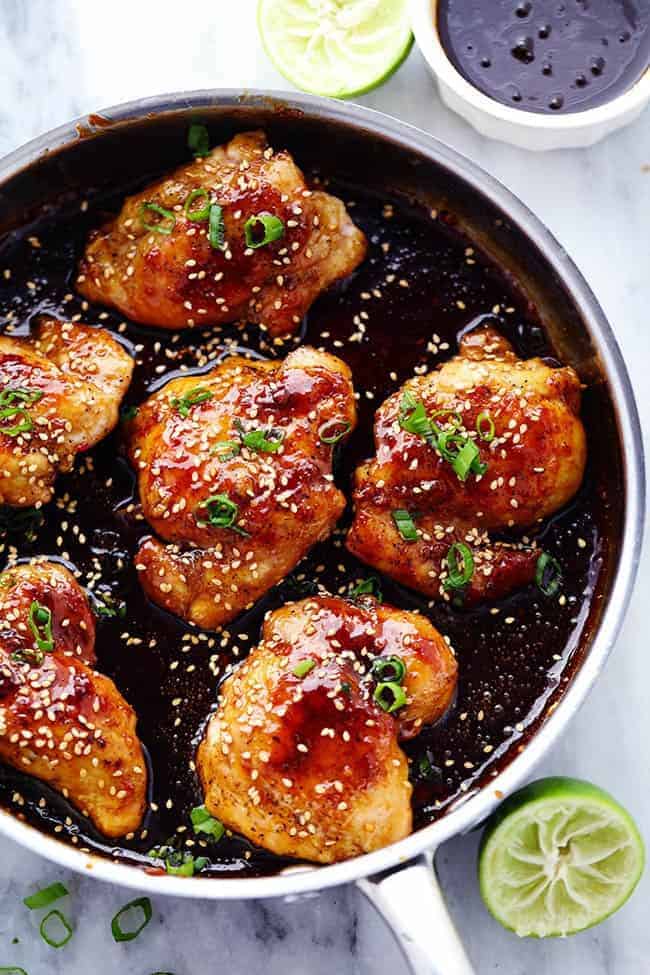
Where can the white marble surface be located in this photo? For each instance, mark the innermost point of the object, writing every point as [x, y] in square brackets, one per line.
[59, 58]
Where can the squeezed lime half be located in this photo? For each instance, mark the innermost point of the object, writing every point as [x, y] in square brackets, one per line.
[335, 47]
[557, 857]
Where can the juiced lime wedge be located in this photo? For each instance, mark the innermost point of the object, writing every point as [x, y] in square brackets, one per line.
[557, 857]
[335, 47]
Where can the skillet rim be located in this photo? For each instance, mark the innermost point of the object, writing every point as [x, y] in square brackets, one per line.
[473, 810]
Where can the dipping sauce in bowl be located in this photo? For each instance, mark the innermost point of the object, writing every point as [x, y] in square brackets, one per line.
[547, 56]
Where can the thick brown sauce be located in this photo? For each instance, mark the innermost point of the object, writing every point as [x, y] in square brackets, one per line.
[512, 662]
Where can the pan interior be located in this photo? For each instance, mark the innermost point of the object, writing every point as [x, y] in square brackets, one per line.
[442, 258]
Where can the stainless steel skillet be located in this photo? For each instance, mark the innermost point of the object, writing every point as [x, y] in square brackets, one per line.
[381, 151]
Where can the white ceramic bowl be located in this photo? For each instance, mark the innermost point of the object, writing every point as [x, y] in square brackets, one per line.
[529, 130]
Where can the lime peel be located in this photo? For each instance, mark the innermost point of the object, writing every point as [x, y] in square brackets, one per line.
[340, 48]
[557, 857]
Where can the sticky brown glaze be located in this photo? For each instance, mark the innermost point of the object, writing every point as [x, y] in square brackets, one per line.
[534, 464]
[515, 656]
[60, 720]
[285, 499]
[180, 280]
[61, 389]
[308, 765]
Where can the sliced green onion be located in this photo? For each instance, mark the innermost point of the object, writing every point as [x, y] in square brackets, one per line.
[197, 216]
[24, 425]
[216, 227]
[21, 520]
[389, 696]
[198, 140]
[45, 896]
[40, 623]
[333, 430]
[460, 565]
[548, 574]
[142, 904]
[304, 667]
[455, 420]
[263, 441]
[405, 525]
[368, 587]
[466, 460]
[50, 936]
[462, 454]
[179, 863]
[11, 395]
[13, 970]
[226, 449]
[158, 228]
[222, 513]
[485, 427]
[270, 226]
[388, 669]
[128, 413]
[199, 394]
[203, 822]
[108, 608]
[414, 419]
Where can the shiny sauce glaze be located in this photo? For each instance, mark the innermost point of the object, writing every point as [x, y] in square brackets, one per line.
[547, 55]
[421, 285]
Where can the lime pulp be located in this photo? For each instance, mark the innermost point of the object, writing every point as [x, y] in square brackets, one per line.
[335, 47]
[557, 857]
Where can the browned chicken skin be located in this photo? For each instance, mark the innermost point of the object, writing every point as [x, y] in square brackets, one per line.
[299, 757]
[60, 391]
[174, 277]
[232, 469]
[60, 720]
[535, 456]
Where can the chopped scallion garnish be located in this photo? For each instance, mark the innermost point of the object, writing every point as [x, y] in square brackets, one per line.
[405, 525]
[390, 696]
[197, 215]
[460, 565]
[11, 395]
[262, 229]
[203, 822]
[226, 449]
[141, 905]
[304, 667]
[333, 430]
[184, 403]
[485, 427]
[216, 227]
[160, 227]
[51, 926]
[45, 896]
[179, 863]
[390, 669]
[40, 623]
[368, 587]
[548, 574]
[198, 140]
[24, 424]
[221, 513]
[264, 441]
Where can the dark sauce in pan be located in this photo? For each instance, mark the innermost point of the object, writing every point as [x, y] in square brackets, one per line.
[420, 287]
[547, 55]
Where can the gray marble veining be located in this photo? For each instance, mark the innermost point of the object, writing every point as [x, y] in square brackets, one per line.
[59, 58]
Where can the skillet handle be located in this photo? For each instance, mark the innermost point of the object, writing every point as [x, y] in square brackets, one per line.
[409, 899]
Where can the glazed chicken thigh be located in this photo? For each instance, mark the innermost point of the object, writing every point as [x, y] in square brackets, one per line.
[60, 391]
[60, 720]
[302, 755]
[236, 235]
[234, 468]
[487, 442]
